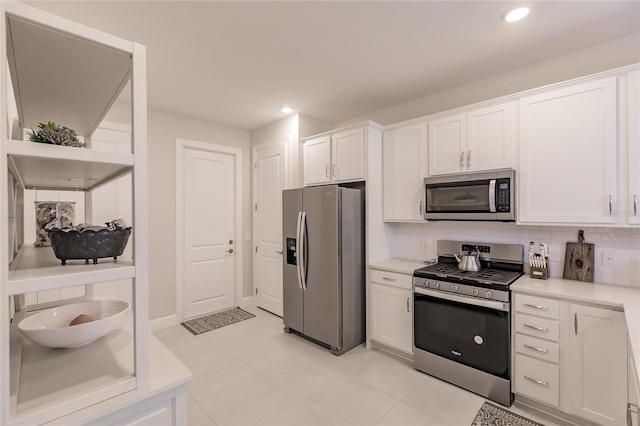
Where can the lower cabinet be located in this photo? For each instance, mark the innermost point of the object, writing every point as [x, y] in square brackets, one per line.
[391, 316]
[574, 360]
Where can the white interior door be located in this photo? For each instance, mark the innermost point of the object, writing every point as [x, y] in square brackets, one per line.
[208, 211]
[269, 182]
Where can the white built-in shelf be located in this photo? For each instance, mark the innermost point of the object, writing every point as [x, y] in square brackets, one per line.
[45, 166]
[46, 382]
[61, 76]
[37, 269]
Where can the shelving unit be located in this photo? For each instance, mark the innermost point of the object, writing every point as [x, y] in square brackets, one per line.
[71, 74]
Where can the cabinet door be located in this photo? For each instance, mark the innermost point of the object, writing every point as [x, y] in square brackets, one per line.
[598, 364]
[633, 112]
[317, 160]
[568, 145]
[391, 317]
[347, 155]
[447, 145]
[404, 164]
[490, 138]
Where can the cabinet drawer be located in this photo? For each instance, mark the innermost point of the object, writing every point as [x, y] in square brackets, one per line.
[541, 306]
[537, 348]
[537, 327]
[391, 278]
[537, 379]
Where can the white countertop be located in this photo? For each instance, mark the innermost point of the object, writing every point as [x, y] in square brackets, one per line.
[397, 264]
[625, 298]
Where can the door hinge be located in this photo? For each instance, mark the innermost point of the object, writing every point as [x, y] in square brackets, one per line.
[256, 249]
[256, 206]
[256, 291]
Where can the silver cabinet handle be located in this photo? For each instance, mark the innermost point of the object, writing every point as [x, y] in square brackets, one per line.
[333, 170]
[575, 323]
[326, 171]
[408, 301]
[388, 279]
[544, 351]
[469, 159]
[610, 205]
[539, 382]
[462, 160]
[421, 204]
[635, 205]
[536, 306]
[536, 328]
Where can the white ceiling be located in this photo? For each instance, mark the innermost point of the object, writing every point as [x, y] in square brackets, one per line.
[236, 62]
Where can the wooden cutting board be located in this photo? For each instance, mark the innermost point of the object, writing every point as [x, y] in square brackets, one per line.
[578, 260]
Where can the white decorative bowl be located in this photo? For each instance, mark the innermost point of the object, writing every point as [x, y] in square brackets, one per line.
[51, 327]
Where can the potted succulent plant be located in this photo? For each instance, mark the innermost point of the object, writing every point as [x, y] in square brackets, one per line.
[52, 133]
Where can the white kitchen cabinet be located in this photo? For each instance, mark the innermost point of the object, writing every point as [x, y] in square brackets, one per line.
[391, 310]
[404, 167]
[537, 349]
[317, 161]
[633, 389]
[92, 68]
[481, 139]
[338, 156]
[633, 112]
[568, 154]
[598, 364]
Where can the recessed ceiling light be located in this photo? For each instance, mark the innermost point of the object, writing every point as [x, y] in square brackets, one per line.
[286, 109]
[515, 14]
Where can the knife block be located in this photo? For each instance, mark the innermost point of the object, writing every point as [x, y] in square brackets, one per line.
[539, 272]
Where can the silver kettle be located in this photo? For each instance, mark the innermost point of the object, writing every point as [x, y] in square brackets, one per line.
[469, 262]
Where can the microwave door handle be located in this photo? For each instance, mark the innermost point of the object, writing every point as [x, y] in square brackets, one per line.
[492, 195]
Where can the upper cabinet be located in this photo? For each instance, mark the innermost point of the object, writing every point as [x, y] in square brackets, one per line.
[404, 167]
[336, 157]
[481, 139]
[568, 154]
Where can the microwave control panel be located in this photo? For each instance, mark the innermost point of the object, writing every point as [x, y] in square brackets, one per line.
[503, 197]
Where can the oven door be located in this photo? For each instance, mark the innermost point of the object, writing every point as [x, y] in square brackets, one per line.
[471, 331]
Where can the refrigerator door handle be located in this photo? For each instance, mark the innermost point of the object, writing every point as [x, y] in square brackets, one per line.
[299, 250]
[303, 254]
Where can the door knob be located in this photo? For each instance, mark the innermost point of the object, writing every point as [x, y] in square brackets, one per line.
[230, 251]
[230, 241]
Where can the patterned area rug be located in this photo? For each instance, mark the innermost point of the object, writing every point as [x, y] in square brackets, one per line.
[217, 320]
[492, 415]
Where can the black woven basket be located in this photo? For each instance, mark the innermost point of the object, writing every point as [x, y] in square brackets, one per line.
[88, 244]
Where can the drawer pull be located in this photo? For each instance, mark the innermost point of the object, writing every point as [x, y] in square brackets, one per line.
[388, 279]
[536, 349]
[536, 328]
[539, 382]
[544, 308]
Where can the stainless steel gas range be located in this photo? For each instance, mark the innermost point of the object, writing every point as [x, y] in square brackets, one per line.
[461, 320]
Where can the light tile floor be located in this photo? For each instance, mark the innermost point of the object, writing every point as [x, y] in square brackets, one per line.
[252, 373]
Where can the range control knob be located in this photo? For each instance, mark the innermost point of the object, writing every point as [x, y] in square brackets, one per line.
[475, 292]
[489, 294]
[455, 288]
[437, 284]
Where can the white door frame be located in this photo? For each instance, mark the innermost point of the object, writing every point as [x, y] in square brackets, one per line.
[181, 144]
[283, 140]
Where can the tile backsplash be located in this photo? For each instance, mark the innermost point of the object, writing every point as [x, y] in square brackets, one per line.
[617, 250]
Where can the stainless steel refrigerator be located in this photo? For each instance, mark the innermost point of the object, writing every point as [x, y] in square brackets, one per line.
[323, 271]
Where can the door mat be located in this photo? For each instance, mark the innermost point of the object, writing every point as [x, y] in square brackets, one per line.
[213, 321]
[492, 415]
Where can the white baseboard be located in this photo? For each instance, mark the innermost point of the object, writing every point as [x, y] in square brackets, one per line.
[246, 301]
[164, 322]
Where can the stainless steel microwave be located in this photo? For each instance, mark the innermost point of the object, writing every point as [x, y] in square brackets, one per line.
[481, 196]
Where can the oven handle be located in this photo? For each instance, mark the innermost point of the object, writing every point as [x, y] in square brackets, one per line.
[499, 306]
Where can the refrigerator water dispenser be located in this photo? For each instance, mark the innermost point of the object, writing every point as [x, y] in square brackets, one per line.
[291, 251]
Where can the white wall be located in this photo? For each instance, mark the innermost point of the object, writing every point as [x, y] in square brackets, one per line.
[623, 243]
[597, 58]
[163, 129]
